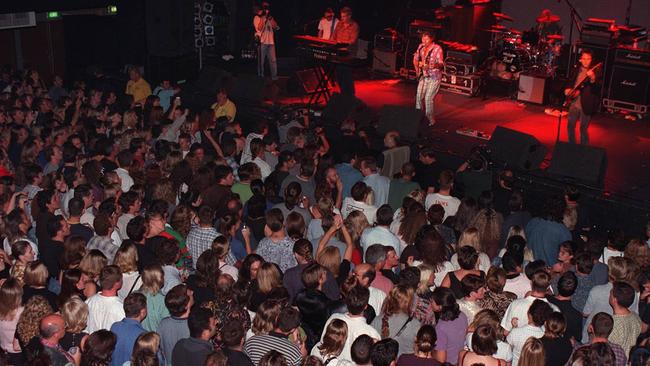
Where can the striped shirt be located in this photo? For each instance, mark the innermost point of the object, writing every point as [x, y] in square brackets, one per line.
[259, 345]
[200, 239]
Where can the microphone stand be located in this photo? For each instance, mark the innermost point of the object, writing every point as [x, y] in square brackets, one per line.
[576, 20]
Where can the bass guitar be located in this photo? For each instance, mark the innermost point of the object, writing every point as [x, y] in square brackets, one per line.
[574, 93]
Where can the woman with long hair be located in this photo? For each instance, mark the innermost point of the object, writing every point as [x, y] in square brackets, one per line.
[356, 223]
[433, 252]
[28, 324]
[488, 222]
[249, 268]
[464, 216]
[98, 348]
[470, 237]
[533, 354]
[23, 255]
[484, 346]
[92, 264]
[269, 282]
[425, 342]
[76, 283]
[229, 224]
[221, 247]
[74, 249]
[153, 280]
[396, 319]
[414, 219]
[11, 293]
[451, 326]
[295, 226]
[557, 347]
[75, 315]
[265, 317]
[293, 197]
[422, 307]
[203, 281]
[16, 225]
[145, 350]
[126, 258]
[333, 341]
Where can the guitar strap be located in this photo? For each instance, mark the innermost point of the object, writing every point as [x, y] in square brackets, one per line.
[426, 60]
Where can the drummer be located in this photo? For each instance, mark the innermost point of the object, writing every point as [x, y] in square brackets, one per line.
[548, 23]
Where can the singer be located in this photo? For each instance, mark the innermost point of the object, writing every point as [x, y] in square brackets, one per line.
[265, 26]
[428, 63]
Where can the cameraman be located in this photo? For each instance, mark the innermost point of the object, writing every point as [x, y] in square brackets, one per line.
[265, 25]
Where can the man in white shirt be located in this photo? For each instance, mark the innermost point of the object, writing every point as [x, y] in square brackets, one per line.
[327, 24]
[261, 129]
[536, 315]
[265, 26]
[105, 307]
[517, 312]
[381, 234]
[380, 185]
[358, 202]
[356, 302]
[444, 197]
[257, 153]
[365, 274]
[124, 161]
[516, 281]
[130, 204]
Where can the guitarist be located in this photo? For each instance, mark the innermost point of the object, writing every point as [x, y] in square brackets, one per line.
[584, 100]
[428, 63]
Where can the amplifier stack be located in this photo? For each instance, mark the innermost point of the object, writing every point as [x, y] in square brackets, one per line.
[629, 84]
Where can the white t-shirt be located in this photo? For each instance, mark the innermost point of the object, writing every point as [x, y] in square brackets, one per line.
[265, 168]
[609, 253]
[327, 27]
[126, 179]
[518, 337]
[483, 262]
[376, 299]
[357, 326]
[519, 309]
[130, 280]
[504, 351]
[103, 311]
[519, 285]
[266, 34]
[349, 205]
[449, 203]
[225, 268]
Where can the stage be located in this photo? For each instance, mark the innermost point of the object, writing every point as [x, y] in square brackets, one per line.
[627, 142]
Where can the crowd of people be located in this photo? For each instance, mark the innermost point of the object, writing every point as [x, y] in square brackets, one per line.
[139, 232]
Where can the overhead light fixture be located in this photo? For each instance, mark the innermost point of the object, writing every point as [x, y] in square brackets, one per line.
[209, 30]
[53, 15]
[208, 19]
[208, 7]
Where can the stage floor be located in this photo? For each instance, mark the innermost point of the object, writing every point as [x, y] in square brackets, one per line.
[627, 142]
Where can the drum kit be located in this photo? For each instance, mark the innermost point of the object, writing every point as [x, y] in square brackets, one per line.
[513, 51]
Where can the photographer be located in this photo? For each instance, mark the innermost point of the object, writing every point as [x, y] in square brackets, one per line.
[265, 25]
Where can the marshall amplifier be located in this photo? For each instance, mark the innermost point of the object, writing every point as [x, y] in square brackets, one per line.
[464, 85]
[629, 89]
[635, 57]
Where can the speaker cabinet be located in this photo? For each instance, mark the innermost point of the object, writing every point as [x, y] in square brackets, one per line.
[405, 120]
[516, 149]
[385, 62]
[579, 163]
[532, 89]
[630, 85]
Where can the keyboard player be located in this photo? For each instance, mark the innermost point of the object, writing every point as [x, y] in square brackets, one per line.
[346, 31]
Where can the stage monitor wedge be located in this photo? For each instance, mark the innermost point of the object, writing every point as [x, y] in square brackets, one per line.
[579, 163]
[405, 120]
[516, 149]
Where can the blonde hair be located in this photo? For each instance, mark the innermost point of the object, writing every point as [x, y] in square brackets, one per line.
[639, 252]
[470, 237]
[330, 258]
[126, 258]
[36, 274]
[334, 338]
[425, 274]
[265, 318]
[11, 294]
[418, 195]
[516, 230]
[570, 217]
[488, 223]
[623, 269]
[491, 318]
[92, 263]
[398, 301]
[75, 314]
[164, 190]
[28, 325]
[268, 277]
[532, 354]
[153, 279]
[356, 223]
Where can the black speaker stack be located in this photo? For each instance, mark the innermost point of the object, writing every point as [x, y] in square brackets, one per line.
[629, 83]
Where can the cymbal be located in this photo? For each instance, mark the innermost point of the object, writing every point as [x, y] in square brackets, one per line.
[515, 31]
[555, 37]
[499, 27]
[492, 30]
[501, 16]
[548, 19]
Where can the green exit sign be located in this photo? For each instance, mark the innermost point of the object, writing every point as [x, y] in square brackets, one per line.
[53, 15]
[112, 9]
